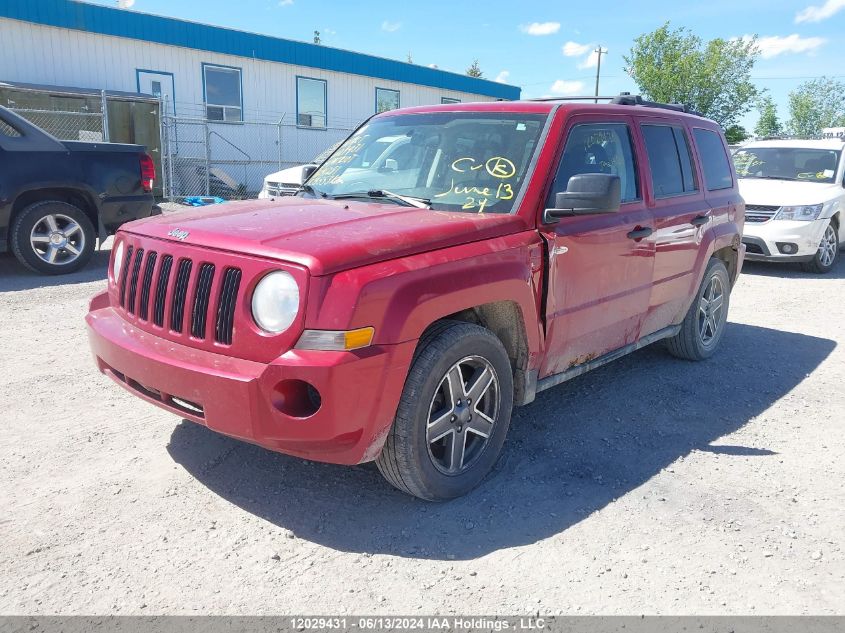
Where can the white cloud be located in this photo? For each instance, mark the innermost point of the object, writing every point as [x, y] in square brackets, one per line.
[328, 31]
[590, 61]
[540, 28]
[774, 45]
[815, 13]
[574, 49]
[390, 27]
[502, 77]
[433, 66]
[126, 4]
[282, 3]
[564, 87]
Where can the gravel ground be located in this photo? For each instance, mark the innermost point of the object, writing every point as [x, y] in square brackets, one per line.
[649, 486]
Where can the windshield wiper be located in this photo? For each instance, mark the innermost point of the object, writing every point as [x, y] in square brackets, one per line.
[769, 177]
[408, 201]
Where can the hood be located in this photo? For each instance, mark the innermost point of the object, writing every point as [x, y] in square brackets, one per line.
[326, 236]
[292, 175]
[781, 193]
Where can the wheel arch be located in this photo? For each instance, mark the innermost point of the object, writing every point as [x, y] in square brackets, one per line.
[79, 198]
[506, 321]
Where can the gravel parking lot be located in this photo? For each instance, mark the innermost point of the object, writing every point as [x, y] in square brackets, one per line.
[649, 486]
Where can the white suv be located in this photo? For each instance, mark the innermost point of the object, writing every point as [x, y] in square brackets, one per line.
[794, 193]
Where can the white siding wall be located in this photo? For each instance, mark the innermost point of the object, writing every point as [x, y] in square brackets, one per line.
[41, 54]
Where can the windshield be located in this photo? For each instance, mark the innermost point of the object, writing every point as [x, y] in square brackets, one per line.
[454, 161]
[787, 163]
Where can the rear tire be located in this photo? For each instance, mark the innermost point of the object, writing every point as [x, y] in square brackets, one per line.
[827, 255]
[704, 325]
[52, 237]
[442, 443]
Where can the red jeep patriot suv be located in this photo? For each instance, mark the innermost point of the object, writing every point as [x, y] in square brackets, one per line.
[442, 265]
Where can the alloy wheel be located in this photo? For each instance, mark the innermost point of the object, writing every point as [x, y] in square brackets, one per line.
[462, 414]
[57, 239]
[711, 310]
[828, 247]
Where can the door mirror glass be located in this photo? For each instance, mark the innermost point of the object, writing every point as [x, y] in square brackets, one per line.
[587, 194]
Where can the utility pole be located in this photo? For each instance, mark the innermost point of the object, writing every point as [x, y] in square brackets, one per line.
[599, 52]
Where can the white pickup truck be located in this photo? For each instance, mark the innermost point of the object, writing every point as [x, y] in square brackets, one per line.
[794, 193]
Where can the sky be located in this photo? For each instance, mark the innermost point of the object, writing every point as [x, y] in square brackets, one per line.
[544, 47]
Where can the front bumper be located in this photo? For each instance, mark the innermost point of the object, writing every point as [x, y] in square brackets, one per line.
[359, 390]
[766, 241]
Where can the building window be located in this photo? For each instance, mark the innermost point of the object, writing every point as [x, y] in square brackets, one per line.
[311, 102]
[445, 100]
[386, 100]
[223, 95]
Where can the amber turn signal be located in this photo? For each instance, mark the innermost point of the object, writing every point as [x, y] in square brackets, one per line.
[336, 340]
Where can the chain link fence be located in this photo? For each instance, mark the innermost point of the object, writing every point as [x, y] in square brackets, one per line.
[231, 160]
[67, 126]
[207, 158]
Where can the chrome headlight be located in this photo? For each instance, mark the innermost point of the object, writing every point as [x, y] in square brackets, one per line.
[117, 262]
[805, 212]
[275, 302]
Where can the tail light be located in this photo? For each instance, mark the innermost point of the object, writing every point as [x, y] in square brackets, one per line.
[148, 172]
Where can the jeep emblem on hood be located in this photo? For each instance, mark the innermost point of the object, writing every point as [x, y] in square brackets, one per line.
[179, 234]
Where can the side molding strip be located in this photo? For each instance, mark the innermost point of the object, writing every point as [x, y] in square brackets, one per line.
[572, 372]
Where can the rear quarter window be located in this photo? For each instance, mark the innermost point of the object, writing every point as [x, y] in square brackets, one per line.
[669, 158]
[714, 160]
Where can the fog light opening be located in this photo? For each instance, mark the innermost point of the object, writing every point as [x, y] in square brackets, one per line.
[296, 398]
[787, 248]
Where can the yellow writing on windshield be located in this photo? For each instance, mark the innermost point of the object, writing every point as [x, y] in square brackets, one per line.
[497, 166]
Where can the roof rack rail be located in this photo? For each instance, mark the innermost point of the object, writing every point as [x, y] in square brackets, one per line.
[576, 98]
[624, 98]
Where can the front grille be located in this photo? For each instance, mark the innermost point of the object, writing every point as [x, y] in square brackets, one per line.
[198, 314]
[161, 290]
[185, 296]
[143, 308]
[180, 294]
[760, 212]
[133, 284]
[226, 311]
[124, 275]
[282, 188]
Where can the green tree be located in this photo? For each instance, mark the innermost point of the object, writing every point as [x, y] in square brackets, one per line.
[712, 78]
[735, 134]
[768, 125]
[816, 104]
[474, 70]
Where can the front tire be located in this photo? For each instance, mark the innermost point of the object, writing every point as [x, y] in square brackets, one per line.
[827, 254]
[453, 415]
[704, 324]
[52, 237]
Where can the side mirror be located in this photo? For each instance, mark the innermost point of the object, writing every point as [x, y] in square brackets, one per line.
[586, 194]
[307, 171]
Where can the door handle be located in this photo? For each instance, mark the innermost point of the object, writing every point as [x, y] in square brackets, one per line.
[640, 233]
[700, 220]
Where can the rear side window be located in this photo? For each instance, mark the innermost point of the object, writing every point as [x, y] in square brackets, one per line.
[714, 160]
[598, 148]
[672, 173]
